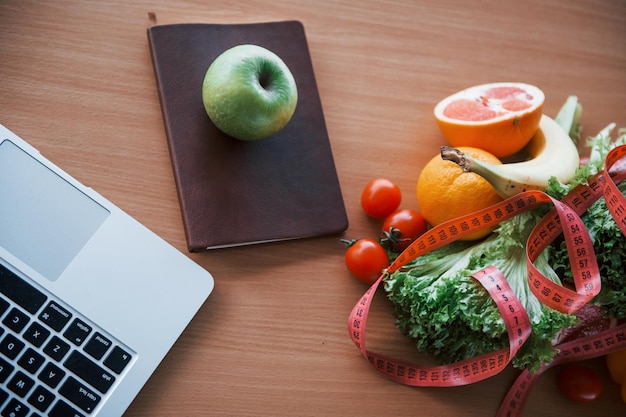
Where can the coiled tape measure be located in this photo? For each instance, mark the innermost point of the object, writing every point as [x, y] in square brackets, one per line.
[563, 218]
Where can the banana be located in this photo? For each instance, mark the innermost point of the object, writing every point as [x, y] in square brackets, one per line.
[552, 154]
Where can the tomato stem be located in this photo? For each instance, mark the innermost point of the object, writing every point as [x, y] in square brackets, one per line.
[392, 236]
[349, 242]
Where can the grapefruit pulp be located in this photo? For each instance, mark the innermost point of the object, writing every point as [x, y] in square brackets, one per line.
[499, 118]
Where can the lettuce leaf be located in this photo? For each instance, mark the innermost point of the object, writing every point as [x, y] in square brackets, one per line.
[438, 304]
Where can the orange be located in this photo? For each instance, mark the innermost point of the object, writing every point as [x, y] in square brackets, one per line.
[445, 191]
[500, 118]
[616, 362]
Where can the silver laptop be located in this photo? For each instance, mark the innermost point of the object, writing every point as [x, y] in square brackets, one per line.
[90, 300]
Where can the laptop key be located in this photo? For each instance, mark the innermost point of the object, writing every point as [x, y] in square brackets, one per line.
[79, 394]
[31, 361]
[16, 320]
[15, 409]
[20, 384]
[3, 396]
[97, 346]
[56, 348]
[20, 291]
[51, 375]
[11, 346]
[36, 334]
[89, 371]
[5, 370]
[4, 305]
[63, 409]
[55, 316]
[41, 398]
[117, 360]
[77, 332]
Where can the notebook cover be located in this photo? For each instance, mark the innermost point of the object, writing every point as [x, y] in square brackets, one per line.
[233, 192]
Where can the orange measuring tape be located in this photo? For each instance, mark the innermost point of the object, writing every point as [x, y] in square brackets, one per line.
[563, 218]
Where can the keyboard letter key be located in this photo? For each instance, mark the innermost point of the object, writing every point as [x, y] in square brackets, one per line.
[20, 383]
[16, 320]
[5, 370]
[36, 334]
[11, 346]
[56, 348]
[51, 375]
[41, 398]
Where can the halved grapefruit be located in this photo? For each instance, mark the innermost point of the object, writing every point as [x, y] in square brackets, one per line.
[499, 118]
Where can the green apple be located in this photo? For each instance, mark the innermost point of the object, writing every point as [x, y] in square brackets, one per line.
[249, 93]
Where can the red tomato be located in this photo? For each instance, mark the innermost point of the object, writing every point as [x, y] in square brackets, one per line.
[580, 383]
[366, 259]
[380, 198]
[402, 227]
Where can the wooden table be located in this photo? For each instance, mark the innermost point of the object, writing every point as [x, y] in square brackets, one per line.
[76, 80]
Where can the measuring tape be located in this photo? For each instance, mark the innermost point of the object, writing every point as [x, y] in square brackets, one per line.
[462, 372]
[588, 347]
[563, 218]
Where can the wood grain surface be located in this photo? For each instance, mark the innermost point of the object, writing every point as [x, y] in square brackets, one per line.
[76, 80]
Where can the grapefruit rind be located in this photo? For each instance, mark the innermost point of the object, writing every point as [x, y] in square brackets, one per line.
[501, 124]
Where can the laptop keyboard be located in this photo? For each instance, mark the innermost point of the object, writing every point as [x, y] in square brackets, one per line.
[53, 361]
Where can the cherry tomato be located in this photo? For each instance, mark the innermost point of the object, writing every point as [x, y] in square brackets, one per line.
[380, 198]
[366, 259]
[402, 227]
[580, 383]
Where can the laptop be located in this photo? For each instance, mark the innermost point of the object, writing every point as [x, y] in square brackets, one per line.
[90, 300]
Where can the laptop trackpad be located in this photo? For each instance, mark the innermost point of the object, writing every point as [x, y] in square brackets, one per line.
[44, 220]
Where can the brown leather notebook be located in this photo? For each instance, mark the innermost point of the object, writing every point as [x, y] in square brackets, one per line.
[233, 192]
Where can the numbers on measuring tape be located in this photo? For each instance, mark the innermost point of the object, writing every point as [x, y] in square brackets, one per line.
[615, 201]
[358, 316]
[460, 373]
[515, 316]
[585, 270]
[563, 218]
[587, 347]
[445, 233]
